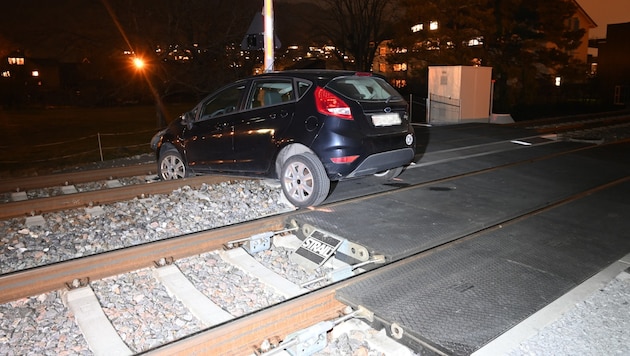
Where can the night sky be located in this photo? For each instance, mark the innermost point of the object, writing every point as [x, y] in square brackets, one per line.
[605, 12]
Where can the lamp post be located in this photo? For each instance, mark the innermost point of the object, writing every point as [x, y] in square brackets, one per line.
[141, 66]
[268, 35]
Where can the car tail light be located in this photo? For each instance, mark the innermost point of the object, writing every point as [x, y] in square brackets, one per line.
[330, 104]
[344, 159]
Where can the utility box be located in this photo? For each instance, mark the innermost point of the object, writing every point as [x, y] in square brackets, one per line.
[459, 94]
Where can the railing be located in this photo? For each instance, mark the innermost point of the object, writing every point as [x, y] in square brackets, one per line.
[103, 144]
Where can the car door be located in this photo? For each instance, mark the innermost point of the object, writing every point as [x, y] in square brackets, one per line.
[209, 140]
[268, 111]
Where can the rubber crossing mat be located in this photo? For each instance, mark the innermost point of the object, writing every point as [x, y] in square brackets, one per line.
[456, 300]
[413, 220]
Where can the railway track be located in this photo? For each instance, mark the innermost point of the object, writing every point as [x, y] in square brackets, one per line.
[576, 126]
[123, 183]
[314, 307]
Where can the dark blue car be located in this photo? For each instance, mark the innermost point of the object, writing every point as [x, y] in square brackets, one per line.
[305, 127]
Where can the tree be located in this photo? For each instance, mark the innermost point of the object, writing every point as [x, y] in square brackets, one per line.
[191, 44]
[531, 44]
[444, 29]
[525, 41]
[356, 28]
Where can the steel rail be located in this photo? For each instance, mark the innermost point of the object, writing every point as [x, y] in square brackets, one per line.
[567, 119]
[61, 179]
[579, 126]
[37, 280]
[44, 205]
[562, 126]
[102, 196]
[244, 335]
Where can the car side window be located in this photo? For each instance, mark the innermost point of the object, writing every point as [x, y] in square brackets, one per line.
[270, 92]
[303, 88]
[224, 102]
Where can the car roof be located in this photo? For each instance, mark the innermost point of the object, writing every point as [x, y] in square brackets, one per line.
[316, 75]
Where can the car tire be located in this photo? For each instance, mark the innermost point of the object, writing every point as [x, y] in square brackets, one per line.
[304, 180]
[171, 165]
[389, 174]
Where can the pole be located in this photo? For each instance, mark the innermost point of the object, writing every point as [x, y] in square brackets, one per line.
[100, 146]
[268, 35]
[411, 107]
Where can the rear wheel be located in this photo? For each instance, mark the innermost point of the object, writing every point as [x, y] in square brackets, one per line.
[171, 165]
[304, 180]
[389, 174]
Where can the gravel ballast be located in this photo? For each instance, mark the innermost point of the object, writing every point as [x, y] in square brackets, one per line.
[40, 325]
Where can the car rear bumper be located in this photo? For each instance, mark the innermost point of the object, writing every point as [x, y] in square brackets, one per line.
[383, 161]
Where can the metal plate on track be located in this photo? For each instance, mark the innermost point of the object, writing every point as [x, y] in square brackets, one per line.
[459, 299]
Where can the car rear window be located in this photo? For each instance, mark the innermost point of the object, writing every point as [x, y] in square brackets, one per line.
[364, 88]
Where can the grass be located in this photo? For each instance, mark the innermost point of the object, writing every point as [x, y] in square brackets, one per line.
[36, 141]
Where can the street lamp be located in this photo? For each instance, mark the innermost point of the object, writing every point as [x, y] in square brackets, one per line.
[138, 63]
[144, 69]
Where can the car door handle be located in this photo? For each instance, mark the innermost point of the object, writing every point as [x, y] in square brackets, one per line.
[222, 125]
[283, 114]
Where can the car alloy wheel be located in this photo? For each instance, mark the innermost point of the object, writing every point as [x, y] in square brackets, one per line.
[172, 165]
[304, 180]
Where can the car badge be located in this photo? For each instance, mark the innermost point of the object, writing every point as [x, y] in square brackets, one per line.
[387, 110]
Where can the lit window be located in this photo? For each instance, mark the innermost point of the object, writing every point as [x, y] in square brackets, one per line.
[35, 73]
[558, 81]
[433, 25]
[399, 83]
[382, 67]
[417, 28]
[475, 42]
[6, 74]
[16, 61]
[400, 67]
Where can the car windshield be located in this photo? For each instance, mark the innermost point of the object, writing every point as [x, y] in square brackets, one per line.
[364, 88]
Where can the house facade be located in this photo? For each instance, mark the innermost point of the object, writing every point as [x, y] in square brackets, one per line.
[613, 67]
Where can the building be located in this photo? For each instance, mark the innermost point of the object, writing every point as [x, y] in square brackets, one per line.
[613, 65]
[25, 80]
[581, 20]
[399, 73]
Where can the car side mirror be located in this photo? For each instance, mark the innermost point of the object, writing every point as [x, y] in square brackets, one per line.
[188, 119]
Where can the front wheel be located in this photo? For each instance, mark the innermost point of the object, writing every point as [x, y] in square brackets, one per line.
[304, 180]
[171, 165]
[389, 174]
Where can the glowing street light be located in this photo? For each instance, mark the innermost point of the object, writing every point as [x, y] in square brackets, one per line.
[138, 63]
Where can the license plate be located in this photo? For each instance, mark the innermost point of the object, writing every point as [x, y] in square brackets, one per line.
[390, 119]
